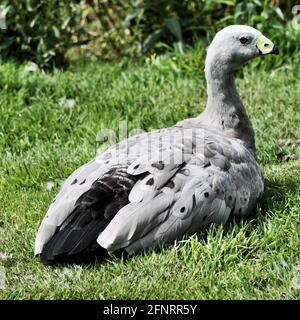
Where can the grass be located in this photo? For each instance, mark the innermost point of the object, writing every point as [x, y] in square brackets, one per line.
[42, 142]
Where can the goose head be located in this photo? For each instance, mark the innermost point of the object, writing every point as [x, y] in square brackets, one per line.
[235, 45]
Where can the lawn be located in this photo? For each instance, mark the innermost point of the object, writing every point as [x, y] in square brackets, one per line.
[42, 141]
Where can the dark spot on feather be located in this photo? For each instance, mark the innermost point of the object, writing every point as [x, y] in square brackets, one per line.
[158, 165]
[170, 184]
[82, 182]
[182, 209]
[136, 166]
[206, 194]
[74, 181]
[194, 200]
[230, 198]
[150, 182]
[185, 172]
[245, 199]
[207, 165]
[240, 210]
[204, 218]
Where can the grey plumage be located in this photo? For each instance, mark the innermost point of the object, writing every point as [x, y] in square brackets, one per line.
[159, 186]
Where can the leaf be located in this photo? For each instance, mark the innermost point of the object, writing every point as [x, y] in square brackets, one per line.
[179, 47]
[151, 40]
[28, 6]
[130, 16]
[174, 26]
[128, 19]
[33, 22]
[65, 23]
[56, 32]
[227, 2]
[49, 53]
[279, 13]
[258, 2]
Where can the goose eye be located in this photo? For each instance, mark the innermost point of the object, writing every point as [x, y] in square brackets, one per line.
[243, 40]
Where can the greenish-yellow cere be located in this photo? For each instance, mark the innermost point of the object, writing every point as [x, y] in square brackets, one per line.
[264, 44]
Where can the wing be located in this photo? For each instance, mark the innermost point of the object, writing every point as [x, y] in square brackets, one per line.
[103, 178]
[78, 184]
[217, 178]
[148, 190]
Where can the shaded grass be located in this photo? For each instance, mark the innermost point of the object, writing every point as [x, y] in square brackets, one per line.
[40, 142]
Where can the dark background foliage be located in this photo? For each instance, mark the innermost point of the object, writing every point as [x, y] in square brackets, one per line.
[49, 32]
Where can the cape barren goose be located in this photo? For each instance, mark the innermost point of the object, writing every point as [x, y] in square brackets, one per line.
[153, 188]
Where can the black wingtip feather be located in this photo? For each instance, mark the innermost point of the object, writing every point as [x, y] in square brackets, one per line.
[75, 242]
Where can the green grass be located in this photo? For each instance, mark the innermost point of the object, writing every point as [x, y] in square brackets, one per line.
[41, 142]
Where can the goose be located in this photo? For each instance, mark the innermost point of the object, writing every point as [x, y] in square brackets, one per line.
[154, 188]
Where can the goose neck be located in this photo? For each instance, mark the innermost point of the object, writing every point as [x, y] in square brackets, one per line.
[224, 109]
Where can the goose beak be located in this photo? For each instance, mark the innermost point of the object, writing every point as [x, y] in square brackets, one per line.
[275, 50]
[265, 46]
